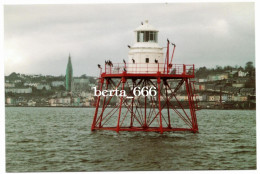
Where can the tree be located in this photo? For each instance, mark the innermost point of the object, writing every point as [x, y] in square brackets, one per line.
[13, 74]
[92, 80]
[84, 76]
[218, 68]
[250, 69]
[249, 66]
[240, 68]
[61, 88]
[228, 68]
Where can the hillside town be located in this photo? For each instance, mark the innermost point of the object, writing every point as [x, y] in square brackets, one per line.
[227, 88]
[218, 88]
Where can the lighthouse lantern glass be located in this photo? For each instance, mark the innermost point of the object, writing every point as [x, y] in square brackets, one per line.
[147, 36]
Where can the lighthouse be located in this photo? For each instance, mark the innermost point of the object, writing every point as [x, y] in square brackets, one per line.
[145, 54]
[150, 84]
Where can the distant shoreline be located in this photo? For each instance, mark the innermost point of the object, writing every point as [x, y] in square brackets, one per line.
[108, 107]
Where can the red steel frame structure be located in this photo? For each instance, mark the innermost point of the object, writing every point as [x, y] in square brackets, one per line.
[160, 113]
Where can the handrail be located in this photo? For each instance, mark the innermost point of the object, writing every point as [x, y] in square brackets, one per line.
[150, 68]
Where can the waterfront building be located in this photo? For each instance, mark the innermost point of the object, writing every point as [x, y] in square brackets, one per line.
[210, 87]
[203, 80]
[86, 94]
[76, 101]
[17, 81]
[19, 90]
[86, 103]
[182, 97]
[199, 98]
[30, 84]
[10, 101]
[243, 98]
[60, 101]
[211, 98]
[31, 103]
[219, 88]
[91, 85]
[247, 91]
[214, 77]
[9, 85]
[69, 75]
[57, 83]
[200, 87]
[240, 82]
[224, 97]
[214, 98]
[52, 102]
[235, 98]
[42, 86]
[204, 97]
[238, 85]
[21, 101]
[64, 101]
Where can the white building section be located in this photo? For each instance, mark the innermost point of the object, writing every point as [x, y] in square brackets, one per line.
[145, 56]
[19, 90]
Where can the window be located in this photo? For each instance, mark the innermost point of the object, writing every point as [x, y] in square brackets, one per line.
[152, 36]
[146, 60]
[140, 36]
[147, 36]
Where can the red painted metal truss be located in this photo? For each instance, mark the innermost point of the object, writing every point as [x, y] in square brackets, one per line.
[163, 112]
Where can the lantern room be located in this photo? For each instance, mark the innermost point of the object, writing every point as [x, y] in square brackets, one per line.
[145, 52]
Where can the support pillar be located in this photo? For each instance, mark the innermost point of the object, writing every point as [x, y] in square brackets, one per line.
[97, 105]
[145, 103]
[104, 103]
[132, 105]
[167, 101]
[159, 101]
[120, 107]
[191, 106]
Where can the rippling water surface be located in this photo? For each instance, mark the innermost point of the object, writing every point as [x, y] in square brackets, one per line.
[59, 139]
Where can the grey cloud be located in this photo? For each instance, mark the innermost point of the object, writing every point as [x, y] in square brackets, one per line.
[206, 34]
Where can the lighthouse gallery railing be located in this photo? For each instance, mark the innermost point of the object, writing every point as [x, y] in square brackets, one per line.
[149, 68]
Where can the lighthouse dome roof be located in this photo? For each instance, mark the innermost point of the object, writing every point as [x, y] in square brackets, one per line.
[145, 27]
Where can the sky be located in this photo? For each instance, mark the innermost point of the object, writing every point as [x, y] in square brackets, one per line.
[39, 38]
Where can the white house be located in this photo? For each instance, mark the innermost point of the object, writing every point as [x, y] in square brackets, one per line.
[57, 83]
[41, 86]
[241, 73]
[19, 90]
[9, 85]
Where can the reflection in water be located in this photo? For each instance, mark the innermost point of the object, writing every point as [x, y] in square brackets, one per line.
[59, 139]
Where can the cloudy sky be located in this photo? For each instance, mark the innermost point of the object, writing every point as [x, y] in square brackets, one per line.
[39, 38]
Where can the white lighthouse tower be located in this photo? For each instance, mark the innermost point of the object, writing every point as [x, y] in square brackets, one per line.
[145, 56]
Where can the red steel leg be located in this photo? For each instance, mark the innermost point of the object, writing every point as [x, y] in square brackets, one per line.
[132, 106]
[97, 105]
[120, 107]
[104, 102]
[145, 102]
[191, 106]
[167, 101]
[159, 100]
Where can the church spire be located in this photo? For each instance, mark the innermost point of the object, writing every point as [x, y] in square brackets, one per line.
[69, 75]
